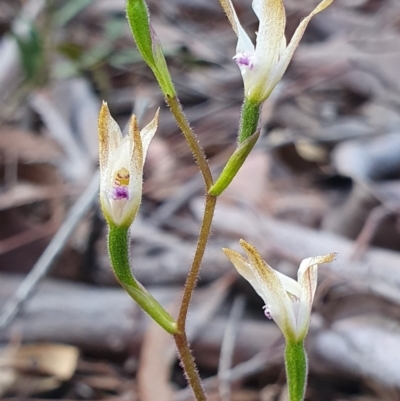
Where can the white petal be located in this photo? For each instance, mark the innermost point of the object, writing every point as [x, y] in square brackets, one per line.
[136, 156]
[119, 158]
[110, 137]
[113, 130]
[307, 279]
[243, 268]
[147, 133]
[308, 283]
[288, 54]
[244, 45]
[291, 286]
[273, 293]
[271, 14]
[131, 208]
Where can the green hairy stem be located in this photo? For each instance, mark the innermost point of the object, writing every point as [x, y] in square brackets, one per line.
[296, 369]
[118, 248]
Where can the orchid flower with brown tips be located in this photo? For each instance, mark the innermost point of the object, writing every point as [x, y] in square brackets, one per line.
[121, 162]
[263, 65]
[287, 302]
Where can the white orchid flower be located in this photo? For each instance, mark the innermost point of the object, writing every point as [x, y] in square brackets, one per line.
[287, 301]
[262, 66]
[121, 162]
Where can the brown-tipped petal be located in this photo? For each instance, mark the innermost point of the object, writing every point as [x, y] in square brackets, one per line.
[147, 133]
[288, 54]
[307, 279]
[315, 260]
[263, 271]
[109, 136]
[307, 275]
[274, 294]
[242, 266]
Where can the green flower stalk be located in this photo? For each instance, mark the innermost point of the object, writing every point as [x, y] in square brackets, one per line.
[287, 302]
[121, 162]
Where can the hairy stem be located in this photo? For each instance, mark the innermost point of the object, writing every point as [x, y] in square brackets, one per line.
[249, 119]
[189, 366]
[181, 340]
[191, 139]
[196, 264]
[296, 369]
[118, 247]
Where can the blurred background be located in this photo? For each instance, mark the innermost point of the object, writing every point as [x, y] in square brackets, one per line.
[324, 177]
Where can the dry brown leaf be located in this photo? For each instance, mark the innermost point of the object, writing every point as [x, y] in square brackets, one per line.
[36, 368]
[56, 360]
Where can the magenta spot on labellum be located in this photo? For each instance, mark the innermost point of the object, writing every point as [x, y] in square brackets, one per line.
[119, 193]
[267, 313]
[244, 60]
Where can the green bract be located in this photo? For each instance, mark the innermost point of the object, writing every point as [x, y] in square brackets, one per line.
[148, 44]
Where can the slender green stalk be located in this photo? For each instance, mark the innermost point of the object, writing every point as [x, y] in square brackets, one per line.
[191, 139]
[249, 119]
[118, 247]
[296, 369]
